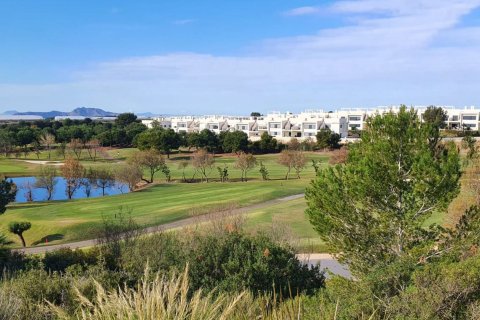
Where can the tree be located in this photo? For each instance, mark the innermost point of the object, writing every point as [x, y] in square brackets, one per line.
[470, 144]
[72, 171]
[267, 143]
[130, 174]
[47, 140]
[203, 162]
[263, 171]
[372, 209]
[89, 181]
[47, 179]
[19, 228]
[161, 139]
[183, 165]
[37, 149]
[245, 162]
[124, 119]
[93, 148]
[152, 160]
[299, 162]
[61, 150]
[105, 179]
[435, 116]
[7, 142]
[8, 191]
[24, 138]
[76, 146]
[293, 144]
[292, 159]
[169, 140]
[235, 141]
[207, 139]
[255, 114]
[328, 139]
[223, 173]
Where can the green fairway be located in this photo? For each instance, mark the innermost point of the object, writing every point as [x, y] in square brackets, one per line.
[290, 220]
[13, 167]
[64, 221]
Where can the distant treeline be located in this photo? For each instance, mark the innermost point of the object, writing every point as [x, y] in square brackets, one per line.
[128, 131]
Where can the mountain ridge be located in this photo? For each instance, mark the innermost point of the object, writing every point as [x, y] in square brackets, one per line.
[82, 111]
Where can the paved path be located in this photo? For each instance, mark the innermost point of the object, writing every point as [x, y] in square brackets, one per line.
[167, 226]
[327, 262]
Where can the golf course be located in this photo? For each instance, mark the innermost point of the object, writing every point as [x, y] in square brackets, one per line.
[55, 222]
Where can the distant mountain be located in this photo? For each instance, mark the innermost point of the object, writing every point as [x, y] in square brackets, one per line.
[92, 112]
[146, 114]
[84, 112]
[49, 114]
[10, 112]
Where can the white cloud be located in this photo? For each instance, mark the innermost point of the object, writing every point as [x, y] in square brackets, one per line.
[302, 11]
[408, 54]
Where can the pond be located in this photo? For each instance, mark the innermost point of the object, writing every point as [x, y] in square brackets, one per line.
[26, 186]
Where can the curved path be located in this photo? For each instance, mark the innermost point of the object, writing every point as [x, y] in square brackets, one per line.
[167, 226]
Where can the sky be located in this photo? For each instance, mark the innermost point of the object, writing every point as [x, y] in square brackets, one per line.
[235, 57]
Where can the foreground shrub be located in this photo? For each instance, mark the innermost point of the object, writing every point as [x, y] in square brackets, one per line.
[9, 305]
[60, 259]
[158, 299]
[228, 261]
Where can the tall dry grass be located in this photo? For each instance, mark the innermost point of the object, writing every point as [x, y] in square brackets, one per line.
[168, 298]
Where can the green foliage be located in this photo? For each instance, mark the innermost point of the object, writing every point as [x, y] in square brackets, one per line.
[61, 259]
[372, 209]
[8, 190]
[235, 141]
[230, 261]
[328, 139]
[268, 143]
[125, 119]
[263, 171]
[161, 139]
[469, 143]
[435, 116]
[19, 228]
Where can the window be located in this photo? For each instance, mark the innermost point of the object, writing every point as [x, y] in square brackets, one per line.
[470, 125]
[469, 117]
[354, 118]
[310, 126]
[274, 125]
[454, 118]
[353, 126]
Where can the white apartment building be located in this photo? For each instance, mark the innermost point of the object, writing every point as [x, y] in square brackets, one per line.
[284, 126]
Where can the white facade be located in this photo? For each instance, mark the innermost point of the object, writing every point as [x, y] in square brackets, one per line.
[284, 126]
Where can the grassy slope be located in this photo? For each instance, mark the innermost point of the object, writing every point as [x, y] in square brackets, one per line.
[289, 218]
[74, 220]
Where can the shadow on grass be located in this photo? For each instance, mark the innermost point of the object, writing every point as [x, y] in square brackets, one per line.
[49, 238]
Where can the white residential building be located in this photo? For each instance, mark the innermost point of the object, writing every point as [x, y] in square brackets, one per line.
[284, 126]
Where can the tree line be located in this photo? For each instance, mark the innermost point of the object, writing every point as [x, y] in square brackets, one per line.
[89, 137]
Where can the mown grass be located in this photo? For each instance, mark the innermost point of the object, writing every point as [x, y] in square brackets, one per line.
[288, 219]
[66, 221]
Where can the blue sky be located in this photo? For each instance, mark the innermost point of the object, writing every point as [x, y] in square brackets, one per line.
[237, 56]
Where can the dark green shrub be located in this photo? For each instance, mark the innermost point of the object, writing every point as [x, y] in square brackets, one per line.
[63, 258]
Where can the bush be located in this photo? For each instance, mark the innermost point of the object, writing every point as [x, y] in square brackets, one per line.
[60, 259]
